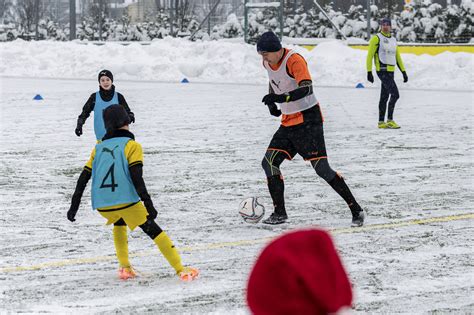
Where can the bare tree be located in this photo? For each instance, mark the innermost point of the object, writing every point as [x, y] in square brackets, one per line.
[27, 15]
[184, 11]
[158, 4]
[6, 10]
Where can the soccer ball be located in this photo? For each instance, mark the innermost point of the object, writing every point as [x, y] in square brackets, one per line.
[251, 211]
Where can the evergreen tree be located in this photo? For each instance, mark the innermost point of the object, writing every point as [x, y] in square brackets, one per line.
[465, 31]
[355, 24]
[230, 29]
[404, 22]
[313, 22]
[325, 29]
[85, 31]
[255, 26]
[452, 19]
[428, 21]
[297, 23]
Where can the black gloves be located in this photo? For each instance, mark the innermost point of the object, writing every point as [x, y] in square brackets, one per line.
[405, 77]
[132, 117]
[152, 213]
[78, 130]
[270, 100]
[274, 111]
[370, 77]
[275, 98]
[71, 213]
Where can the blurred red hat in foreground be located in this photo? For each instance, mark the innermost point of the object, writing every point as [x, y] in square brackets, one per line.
[299, 273]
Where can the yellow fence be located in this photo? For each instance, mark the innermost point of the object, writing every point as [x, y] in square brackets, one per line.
[421, 49]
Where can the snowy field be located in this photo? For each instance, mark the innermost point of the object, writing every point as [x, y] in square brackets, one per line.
[203, 145]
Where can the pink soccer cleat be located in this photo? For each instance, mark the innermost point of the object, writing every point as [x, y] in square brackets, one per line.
[188, 274]
[126, 273]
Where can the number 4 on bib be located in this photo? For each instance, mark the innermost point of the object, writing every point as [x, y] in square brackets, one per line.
[110, 173]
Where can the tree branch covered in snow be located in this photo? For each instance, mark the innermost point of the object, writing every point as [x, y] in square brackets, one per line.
[423, 21]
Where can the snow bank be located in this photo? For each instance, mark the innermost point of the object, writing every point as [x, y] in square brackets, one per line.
[331, 63]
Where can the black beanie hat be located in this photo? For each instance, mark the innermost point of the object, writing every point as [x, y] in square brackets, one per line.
[107, 73]
[386, 21]
[115, 117]
[268, 42]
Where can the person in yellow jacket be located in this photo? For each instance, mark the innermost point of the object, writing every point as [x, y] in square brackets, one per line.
[383, 50]
[119, 193]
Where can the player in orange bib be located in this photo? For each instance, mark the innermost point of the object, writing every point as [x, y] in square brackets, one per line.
[301, 129]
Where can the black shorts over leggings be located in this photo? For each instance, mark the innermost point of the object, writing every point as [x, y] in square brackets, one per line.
[306, 139]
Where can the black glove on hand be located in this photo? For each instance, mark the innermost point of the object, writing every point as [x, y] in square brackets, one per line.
[71, 214]
[274, 98]
[405, 77]
[132, 117]
[370, 77]
[152, 213]
[274, 111]
[78, 130]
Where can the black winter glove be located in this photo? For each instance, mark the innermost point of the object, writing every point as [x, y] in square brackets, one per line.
[152, 213]
[405, 77]
[370, 77]
[71, 214]
[274, 111]
[274, 98]
[78, 130]
[132, 117]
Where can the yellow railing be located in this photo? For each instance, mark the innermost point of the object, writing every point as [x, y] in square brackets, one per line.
[420, 49]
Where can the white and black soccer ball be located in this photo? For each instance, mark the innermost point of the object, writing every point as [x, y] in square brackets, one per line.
[251, 210]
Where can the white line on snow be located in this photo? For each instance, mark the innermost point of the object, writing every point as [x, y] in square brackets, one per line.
[372, 227]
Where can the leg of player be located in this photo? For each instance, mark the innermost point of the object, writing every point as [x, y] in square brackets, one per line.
[394, 96]
[322, 168]
[271, 165]
[389, 89]
[168, 250]
[384, 95]
[121, 249]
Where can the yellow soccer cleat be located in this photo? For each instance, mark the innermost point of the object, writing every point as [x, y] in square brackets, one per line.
[382, 125]
[188, 274]
[392, 125]
[126, 273]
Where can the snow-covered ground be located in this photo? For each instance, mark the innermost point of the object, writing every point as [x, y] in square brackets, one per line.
[331, 63]
[203, 146]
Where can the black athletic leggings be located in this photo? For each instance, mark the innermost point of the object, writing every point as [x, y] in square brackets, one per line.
[149, 227]
[389, 88]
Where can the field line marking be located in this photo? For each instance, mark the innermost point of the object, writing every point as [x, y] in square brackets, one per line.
[210, 246]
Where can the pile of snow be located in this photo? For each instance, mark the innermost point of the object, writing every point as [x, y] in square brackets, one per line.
[331, 63]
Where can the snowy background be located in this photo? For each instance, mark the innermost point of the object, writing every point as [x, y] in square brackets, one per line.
[331, 63]
[203, 145]
[418, 21]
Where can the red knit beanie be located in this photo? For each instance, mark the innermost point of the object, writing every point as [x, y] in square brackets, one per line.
[299, 273]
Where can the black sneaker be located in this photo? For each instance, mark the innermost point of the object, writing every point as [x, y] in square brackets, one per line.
[276, 219]
[358, 219]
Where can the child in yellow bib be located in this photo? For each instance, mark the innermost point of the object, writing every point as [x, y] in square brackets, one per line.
[119, 193]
